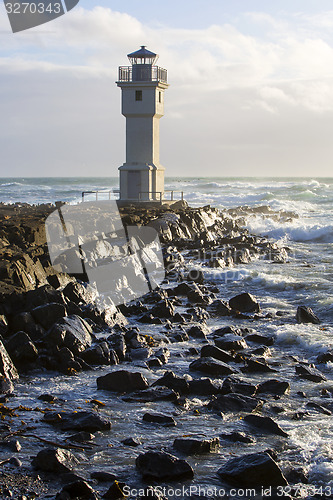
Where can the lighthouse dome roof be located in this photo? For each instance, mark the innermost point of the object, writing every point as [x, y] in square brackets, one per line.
[143, 56]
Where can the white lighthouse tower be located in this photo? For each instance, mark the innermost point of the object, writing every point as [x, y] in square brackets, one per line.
[143, 85]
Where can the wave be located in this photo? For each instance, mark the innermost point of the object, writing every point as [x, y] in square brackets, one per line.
[293, 231]
[10, 184]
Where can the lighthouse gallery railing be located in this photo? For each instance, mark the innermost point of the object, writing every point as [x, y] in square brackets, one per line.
[146, 74]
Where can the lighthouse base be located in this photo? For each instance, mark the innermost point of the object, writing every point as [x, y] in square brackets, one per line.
[141, 182]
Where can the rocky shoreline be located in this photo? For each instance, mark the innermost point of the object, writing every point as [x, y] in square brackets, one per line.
[50, 323]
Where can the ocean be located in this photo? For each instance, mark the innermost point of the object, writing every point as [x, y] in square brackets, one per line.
[306, 228]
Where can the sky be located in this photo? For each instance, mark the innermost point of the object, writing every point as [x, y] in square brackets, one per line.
[251, 88]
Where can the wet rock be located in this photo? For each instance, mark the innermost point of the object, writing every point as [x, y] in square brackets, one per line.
[232, 384]
[319, 408]
[260, 339]
[252, 470]
[8, 372]
[87, 421]
[55, 460]
[245, 303]
[193, 446]
[49, 398]
[115, 492]
[98, 354]
[220, 308]
[274, 386]
[163, 309]
[122, 381]
[21, 349]
[204, 387]
[103, 477]
[72, 332]
[82, 437]
[255, 366]
[163, 354]
[326, 357]
[76, 292]
[153, 394]
[172, 381]
[238, 437]
[265, 424]
[310, 373]
[158, 418]
[306, 315]
[154, 363]
[25, 322]
[161, 466]
[230, 342]
[131, 442]
[47, 314]
[77, 489]
[197, 332]
[3, 325]
[211, 351]
[235, 402]
[211, 366]
[117, 342]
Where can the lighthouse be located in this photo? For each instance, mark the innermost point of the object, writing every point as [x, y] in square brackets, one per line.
[142, 85]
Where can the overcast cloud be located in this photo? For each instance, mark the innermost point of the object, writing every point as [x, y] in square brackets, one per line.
[249, 97]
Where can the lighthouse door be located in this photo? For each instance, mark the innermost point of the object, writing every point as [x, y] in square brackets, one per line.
[134, 184]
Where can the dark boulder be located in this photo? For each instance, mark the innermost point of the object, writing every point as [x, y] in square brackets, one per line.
[306, 315]
[163, 309]
[211, 351]
[265, 424]
[230, 342]
[220, 308]
[21, 349]
[193, 446]
[310, 373]
[47, 314]
[77, 489]
[158, 418]
[122, 381]
[197, 332]
[174, 382]
[238, 437]
[326, 357]
[55, 460]
[255, 366]
[253, 470]
[266, 340]
[116, 491]
[87, 421]
[204, 387]
[232, 384]
[273, 386]
[3, 325]
[235, 403]
[159, 393]
[98, 354]
[161, 466]
[8, 372]
[72, 332]
[245, 303]
[211, 366]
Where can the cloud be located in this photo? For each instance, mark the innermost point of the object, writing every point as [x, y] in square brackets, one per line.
[236, 99]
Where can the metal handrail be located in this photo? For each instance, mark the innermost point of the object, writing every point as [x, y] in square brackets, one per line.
[161, 195]
[153, 74]
[112, 191]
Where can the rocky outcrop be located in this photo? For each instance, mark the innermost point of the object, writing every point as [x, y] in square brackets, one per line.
[253, 470]
[55, 460]
[8, 372]
[161, 466]
[122, 381]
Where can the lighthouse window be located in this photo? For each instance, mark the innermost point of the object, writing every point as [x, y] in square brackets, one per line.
[138, 95]
[160, 97]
